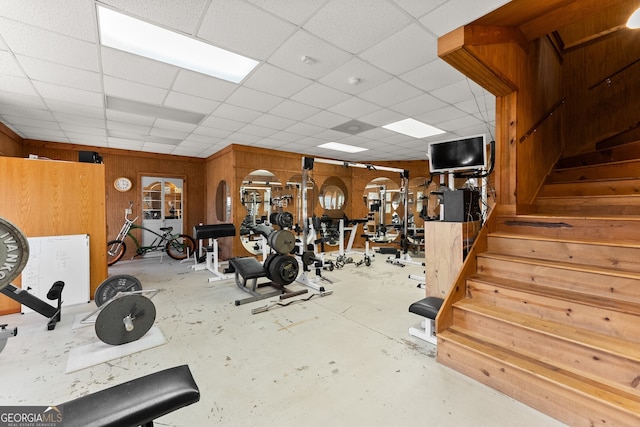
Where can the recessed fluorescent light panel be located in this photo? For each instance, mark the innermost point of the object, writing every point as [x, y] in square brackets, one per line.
[131, 35]
[413, 128]
[342, 147]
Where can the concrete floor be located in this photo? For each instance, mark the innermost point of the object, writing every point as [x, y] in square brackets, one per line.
[342, 360]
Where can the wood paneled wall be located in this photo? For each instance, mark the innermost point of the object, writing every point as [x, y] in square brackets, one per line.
[133, 165]
[236, 162]
[10, 143]
[55, 198]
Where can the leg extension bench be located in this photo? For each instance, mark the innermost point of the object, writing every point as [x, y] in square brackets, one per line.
[135, 403]
[427, 308]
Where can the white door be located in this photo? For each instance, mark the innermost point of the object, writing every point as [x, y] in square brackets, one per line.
[162, 206]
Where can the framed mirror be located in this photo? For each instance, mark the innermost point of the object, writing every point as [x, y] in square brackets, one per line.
[256, 191]
[383, 198]
[223, 202]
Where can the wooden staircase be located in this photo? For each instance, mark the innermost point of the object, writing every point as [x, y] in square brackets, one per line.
[551, 316]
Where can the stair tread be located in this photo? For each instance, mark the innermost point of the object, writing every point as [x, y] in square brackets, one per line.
[610, 163]
[589, 196]
[586, 337]
[563, 265]
[549, 216]
[561, 294]
[597, 242]
[562, 378]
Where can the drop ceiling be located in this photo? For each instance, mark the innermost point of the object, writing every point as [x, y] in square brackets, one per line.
[323, 65]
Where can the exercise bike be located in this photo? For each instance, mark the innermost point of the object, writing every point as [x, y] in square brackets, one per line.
[177, 246]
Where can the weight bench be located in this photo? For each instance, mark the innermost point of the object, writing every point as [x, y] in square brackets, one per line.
[135, 403]
[213, 232]
[247, 271]
[428, 308]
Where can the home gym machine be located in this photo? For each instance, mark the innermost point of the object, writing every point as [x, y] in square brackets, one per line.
[213, 232]
[307, 165]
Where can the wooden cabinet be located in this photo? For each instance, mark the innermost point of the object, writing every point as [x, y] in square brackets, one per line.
[446, 244]
[56, 198]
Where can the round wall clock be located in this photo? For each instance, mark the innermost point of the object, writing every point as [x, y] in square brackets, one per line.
[122, 184]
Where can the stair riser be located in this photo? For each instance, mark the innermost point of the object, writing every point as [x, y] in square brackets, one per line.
[588, 206]
[613, 287]
[595, 172]
[628, 151]
[613, 257]
[591, 188]
[558, 401]
[563, 227]
[602, 366]
[614, 323]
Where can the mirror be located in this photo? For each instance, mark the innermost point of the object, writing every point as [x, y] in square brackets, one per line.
[223, 202]
[333, 196]
[256, 191]
[383, 198]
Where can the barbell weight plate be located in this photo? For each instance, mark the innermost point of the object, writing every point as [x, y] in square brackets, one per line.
[114, 284]
[282, 241]
[283, 270]
[308, 258]
[14, 252]
[285, 219]
[110, 323]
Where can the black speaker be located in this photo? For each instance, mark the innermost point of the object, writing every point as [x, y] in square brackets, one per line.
[89, 157]
[461, 205]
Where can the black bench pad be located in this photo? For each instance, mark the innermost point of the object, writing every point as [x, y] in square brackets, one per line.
[427, 307]
[248, 267]
[134, 403]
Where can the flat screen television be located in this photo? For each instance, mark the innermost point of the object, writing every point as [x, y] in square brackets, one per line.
[469, 153]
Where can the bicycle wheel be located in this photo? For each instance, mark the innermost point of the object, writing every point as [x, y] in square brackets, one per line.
[180, 247]
[115, 251]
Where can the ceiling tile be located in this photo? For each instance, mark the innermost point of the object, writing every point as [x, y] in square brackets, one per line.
[65, 107]
[433, 75]
[302, 128]
[326, 119]
[261, 131]
[120, 116]
[405, 50]
[418, 8]
[253, 99]
[175, 126]
[9, 66]
[382, 117]
[322, 56]
[440, 115]
[49, 46]
[80, 120]
[186, 102]
[459, 123]
[296, 12]
[319, 95]
[203, 86]
[75, 18]
[368, 75]
[294, 110]
[88, 130]
[270, 79]
[60, 74]
[183, 16]
[132, 90]
[418, 105]
[67, 94]
[453, 14]
[232, 112]
[354, 107]
[456, 92]
[20, 111]
[390, 93]
[273, 122]
[17, 85]
[243, 28]
[221, 123]
[136, 68]
[375, 20]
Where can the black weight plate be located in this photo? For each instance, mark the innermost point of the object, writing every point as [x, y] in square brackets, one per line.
[114, 284]
[14, 252]
[110, 326]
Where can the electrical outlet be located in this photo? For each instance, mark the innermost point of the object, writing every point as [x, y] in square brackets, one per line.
[127, 211]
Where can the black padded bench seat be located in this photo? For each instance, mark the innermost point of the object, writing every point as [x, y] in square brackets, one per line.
[428, 308]
[135, 403]
[248, 267]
